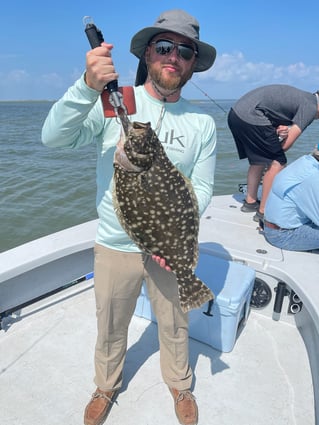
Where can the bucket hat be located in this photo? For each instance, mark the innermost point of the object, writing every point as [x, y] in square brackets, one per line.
[179, 22]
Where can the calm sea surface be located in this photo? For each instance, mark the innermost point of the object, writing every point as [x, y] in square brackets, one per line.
[45, 190]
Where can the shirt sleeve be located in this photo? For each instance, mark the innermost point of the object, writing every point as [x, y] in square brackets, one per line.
[75, 119]
[202, 176]
[307, 198]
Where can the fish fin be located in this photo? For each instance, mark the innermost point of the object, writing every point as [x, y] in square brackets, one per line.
[193, 293]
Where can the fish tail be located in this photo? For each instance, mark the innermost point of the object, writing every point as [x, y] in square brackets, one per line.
[193, 293]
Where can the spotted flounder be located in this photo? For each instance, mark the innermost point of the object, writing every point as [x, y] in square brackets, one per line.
[157, 207]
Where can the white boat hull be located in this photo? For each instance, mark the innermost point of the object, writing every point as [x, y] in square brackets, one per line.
[271, 376]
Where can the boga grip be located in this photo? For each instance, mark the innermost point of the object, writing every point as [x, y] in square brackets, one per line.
[95, 38]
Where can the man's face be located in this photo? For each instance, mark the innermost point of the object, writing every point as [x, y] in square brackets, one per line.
[170, 65]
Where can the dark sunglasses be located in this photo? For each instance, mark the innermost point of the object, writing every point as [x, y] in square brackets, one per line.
[165, 47]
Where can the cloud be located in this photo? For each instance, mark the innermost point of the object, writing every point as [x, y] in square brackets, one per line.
[231, 67]
[232, 75]
[15, 76]
[52, 80]
[19, 84]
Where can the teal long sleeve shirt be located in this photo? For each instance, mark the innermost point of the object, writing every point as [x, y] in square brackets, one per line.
[186, 132]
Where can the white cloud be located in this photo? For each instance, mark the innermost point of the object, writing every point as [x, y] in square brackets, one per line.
[53, 80]
[231, 67]
[15, 76]
[18, 84]
[232, 75]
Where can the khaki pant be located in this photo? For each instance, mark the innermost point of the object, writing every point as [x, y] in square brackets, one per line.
[118, 278]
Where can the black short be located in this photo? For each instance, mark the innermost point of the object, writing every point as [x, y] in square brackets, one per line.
[259, 143]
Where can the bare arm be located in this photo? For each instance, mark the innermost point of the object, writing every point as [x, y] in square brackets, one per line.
[293, 134]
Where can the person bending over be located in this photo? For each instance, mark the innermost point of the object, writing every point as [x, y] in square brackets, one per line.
[265, 123]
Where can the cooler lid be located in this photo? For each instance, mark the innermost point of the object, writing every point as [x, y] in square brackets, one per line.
[229, 281]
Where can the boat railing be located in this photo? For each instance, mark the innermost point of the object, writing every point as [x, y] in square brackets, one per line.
[45, 266]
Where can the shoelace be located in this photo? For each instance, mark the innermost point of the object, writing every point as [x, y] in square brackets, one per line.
[184, 394]
[98, 394]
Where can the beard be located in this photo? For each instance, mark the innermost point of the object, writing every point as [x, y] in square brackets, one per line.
[172, 82]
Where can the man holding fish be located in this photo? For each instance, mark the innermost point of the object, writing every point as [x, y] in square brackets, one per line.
[169, 52]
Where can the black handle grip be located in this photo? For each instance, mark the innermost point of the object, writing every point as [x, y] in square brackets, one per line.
[94, 35]
[95, 38]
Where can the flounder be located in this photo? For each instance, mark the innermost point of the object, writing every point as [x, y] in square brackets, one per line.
[157, 207]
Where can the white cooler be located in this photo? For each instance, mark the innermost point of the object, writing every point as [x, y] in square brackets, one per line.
[232, 283]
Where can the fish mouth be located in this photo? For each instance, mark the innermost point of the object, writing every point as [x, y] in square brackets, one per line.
[136, 151]
[139, 145]
[121, 160]
[141, 125]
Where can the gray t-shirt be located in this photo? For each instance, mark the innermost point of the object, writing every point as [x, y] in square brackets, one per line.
[277, 104]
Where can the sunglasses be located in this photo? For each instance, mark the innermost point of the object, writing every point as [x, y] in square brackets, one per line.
[165, 47]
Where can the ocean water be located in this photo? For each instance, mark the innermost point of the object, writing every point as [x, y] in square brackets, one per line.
[45, 190]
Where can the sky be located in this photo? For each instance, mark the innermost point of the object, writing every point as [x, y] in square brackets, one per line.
[258, 42]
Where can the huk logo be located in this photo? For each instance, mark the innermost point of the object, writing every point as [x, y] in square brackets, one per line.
[172, 140]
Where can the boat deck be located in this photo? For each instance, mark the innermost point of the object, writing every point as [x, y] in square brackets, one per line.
[46, 370]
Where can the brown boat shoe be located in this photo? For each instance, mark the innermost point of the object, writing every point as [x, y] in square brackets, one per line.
[185, 407]
[99, 406]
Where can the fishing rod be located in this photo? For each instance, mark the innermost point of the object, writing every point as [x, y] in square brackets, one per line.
[211, 99]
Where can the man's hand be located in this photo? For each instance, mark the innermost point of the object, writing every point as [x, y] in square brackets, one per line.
[161, 262]
[282, 131]
[99, 67]
[293, 134]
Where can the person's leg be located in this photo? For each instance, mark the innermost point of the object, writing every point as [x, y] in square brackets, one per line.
[273, 169]
[304, 238]
[255, 173]
[173, 338]
[117, 283]
[172, 325]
